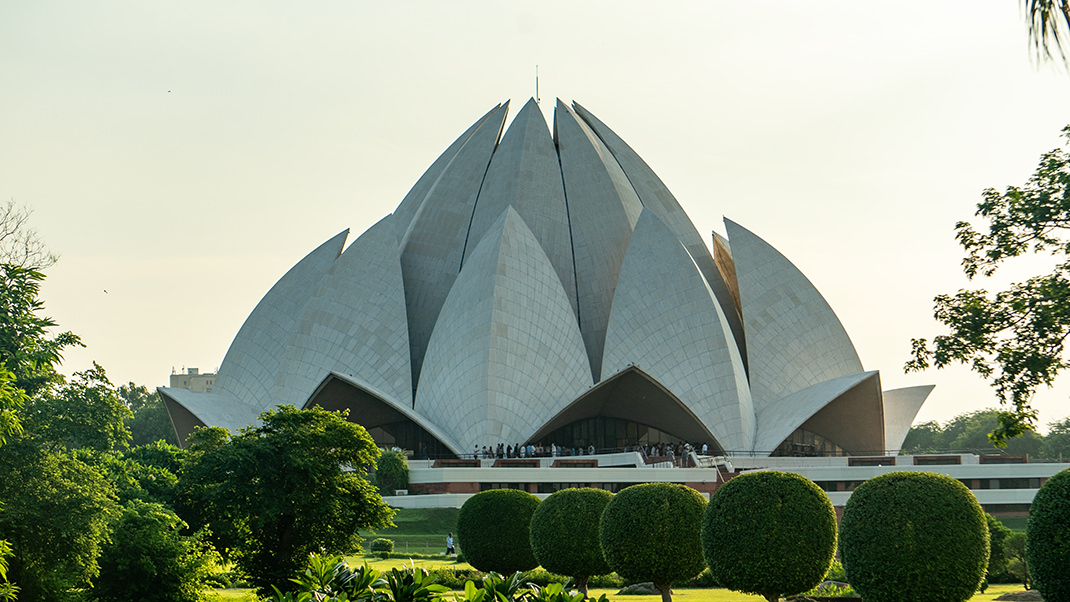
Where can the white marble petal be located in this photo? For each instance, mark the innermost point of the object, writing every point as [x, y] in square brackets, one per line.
[603, 209]
[794, 339]
[779, 419]
[433, 246]
[666, 320]
[353, 324]
[256, 356]
[901, 406]
[526, 175]
[656, 196]
[406, 211]
[506, 353]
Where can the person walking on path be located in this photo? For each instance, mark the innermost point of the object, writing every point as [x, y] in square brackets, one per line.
[449, 544]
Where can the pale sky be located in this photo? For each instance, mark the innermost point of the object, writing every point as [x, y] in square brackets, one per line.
[182, 155]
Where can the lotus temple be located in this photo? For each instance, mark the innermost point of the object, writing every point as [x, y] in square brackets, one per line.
[548, 289]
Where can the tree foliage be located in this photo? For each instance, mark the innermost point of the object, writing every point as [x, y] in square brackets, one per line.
[391, 471]
[650, 532]
[56, 510]
[275, 492]
[1057, 442]
[148, 422]
[85, 413]
[564, 534]
[968, 433]
[493, 530]
[150, 560]
[1047, 547]
[997, 538]
[909, 536]
[769, 533]
[1048, 22]
[27, 348]
[1015, 337]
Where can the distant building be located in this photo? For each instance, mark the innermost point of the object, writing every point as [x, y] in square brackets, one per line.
[193, 380]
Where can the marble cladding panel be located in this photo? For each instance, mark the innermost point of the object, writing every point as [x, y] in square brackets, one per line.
[901, 406]
[410, 205]
[666, 321]
[354, 324]
[779, 419]
[656, 196]
[433, 246]
[603, 209]
[525, 173]
[794, 339]
[256, 356]
[506, 353]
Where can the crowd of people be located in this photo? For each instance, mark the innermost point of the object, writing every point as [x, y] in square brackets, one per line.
[650, 450]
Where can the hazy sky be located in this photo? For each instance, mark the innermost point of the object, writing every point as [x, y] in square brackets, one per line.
[183, 155]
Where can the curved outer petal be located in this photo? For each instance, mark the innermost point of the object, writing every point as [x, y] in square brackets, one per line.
[190, 409]
[506, 353]
[408, 207]
[406, 410]
[656, 196]
[778, 420]
[794, 339]
[603, 209]
[353, 324]
[526, 174]
[433, 246]
[256, 356]
[666, 320]
[901, 406]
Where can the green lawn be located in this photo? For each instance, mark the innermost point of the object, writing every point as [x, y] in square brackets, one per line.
[423, 531]
[418, 530]
[682, 595]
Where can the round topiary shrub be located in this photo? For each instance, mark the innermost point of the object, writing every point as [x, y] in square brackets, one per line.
[650, 532]
[909, 536]
[382, 545]
[564, 534]
[769, 533]
[493, 530]
[1047, 544]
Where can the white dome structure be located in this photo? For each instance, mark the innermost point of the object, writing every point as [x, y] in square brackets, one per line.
[538, 289]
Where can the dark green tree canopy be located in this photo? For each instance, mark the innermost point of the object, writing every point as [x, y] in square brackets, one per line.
[769, 533]
[908, 536]
[493, 530]
[27, 348]
[391, 471]
[1047, 547]
[968, 433]
[148, 558]
[149, 421]
[56, 510]
[85, 413]
[650, 532]
[1014, 337]
[278, 491]
[564, 534]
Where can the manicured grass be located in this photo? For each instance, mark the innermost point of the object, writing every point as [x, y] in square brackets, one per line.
[683, 595]
[418, 530]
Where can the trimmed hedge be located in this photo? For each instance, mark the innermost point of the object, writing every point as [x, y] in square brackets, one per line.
[769, 533]
[650, 532]
[564, 534]
[493, 530]
[382, 545]
[1047, 544]
[909, 536]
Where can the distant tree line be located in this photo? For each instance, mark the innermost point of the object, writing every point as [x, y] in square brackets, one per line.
[968, 433]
